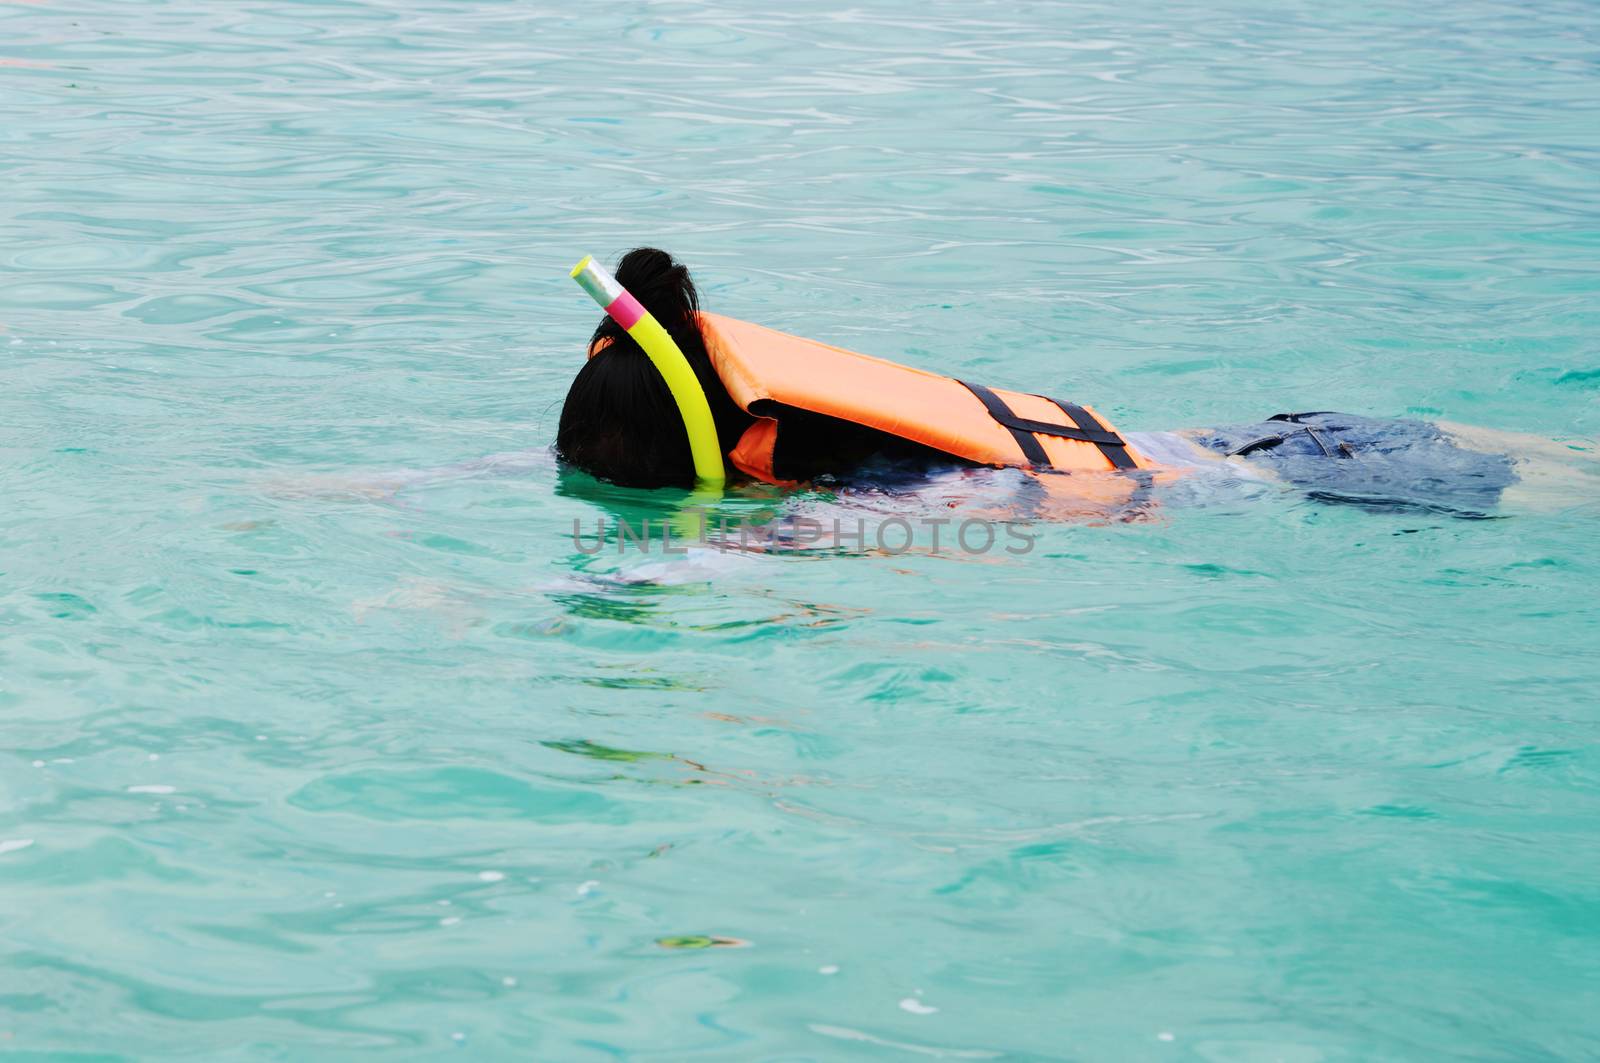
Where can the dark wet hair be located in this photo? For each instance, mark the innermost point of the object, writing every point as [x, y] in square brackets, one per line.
[619, 421]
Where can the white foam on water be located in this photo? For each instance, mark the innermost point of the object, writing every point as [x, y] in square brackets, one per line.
[844, 1033]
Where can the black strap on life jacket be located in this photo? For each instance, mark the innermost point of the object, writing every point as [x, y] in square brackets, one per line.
[1025, 431]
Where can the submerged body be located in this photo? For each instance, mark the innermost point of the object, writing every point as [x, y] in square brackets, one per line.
[1375, 463]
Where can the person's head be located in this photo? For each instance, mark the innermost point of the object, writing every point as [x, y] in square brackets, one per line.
[619, 421]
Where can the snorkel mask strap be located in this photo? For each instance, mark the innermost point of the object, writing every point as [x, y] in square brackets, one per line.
[669, 361]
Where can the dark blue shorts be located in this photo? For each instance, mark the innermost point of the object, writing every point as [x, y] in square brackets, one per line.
[1379, 464]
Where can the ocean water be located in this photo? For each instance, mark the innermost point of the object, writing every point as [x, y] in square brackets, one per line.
[322, 739]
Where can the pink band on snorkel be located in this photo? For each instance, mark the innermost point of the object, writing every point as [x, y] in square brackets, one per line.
[625, 310]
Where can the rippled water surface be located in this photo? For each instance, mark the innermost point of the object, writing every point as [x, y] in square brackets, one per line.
[322, 740]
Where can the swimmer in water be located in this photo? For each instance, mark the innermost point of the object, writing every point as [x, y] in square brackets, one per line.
[788, 410]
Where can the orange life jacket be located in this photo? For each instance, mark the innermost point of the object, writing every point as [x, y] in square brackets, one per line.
[767, 372]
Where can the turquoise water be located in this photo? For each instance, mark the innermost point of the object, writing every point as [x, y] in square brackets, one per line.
[323, 742]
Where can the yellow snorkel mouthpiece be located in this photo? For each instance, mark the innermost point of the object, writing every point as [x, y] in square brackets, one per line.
[669, 361]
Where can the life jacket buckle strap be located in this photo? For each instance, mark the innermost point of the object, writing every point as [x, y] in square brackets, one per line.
[1084, 429]
[1002, 413]
[1110, 444]
[1064, 431]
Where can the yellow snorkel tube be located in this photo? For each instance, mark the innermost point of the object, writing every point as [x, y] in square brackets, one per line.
[669, 361]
